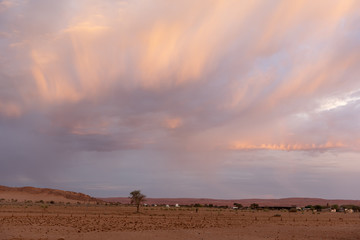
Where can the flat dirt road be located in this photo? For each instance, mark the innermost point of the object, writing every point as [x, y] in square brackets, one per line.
[61, 222]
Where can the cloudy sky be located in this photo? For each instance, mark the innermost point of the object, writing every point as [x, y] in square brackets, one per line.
[206, 98]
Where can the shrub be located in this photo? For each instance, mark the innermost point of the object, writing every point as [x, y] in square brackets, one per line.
[238, 205]
[292, 210]
[254, 206]
[318, 207]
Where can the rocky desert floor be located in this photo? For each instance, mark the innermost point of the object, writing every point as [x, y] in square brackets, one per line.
[26, 221]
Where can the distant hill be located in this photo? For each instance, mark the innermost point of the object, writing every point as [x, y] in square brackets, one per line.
[283, 202]
[45, 194]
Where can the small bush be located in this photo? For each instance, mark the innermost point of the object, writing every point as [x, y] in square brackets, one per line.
[292, 210]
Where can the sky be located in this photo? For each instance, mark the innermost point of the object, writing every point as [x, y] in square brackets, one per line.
[208, 98]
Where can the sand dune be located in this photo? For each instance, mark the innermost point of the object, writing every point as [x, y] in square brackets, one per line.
[45, 194]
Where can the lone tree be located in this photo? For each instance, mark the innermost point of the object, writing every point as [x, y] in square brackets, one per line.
[137, 198]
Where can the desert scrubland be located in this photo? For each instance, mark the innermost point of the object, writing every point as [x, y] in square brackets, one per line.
[100, 221]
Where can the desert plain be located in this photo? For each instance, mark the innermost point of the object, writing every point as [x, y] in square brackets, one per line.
[29, 213]
[24, 221]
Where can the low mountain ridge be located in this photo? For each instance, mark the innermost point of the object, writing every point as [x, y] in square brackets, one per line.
[282, 202]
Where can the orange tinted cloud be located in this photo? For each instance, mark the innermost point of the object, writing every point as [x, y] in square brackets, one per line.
[100, 128]
[52, 84]
[11, 110]
[156, 51]
[173, 123]
[185, 44]
[87, 28]
[286, 147]
[4, 5]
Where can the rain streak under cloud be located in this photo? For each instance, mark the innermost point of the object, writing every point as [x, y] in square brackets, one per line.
[221, 99]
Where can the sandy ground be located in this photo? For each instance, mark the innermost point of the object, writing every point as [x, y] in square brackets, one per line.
[22, 221]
